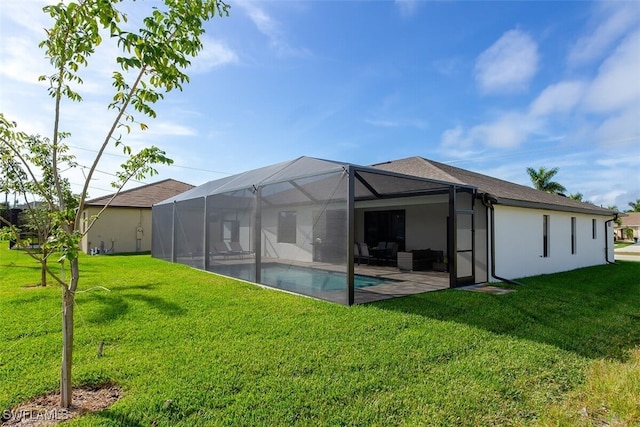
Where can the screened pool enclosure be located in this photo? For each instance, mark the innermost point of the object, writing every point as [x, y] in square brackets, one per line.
[296, 225]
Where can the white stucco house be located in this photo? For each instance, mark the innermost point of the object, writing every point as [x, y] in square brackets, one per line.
[301, 226]
[523, 231]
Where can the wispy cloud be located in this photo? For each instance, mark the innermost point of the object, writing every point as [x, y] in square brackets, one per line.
[558, 98]
[214, 54]
[270, 28]
[407, 8]
[613, 20]
[508, 65]
[617, 84]
[397, 123]
[508, 130]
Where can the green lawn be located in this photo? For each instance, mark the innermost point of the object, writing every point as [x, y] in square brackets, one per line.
[225, 352]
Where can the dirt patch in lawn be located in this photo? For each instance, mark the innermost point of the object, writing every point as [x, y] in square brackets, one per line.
[46, 411]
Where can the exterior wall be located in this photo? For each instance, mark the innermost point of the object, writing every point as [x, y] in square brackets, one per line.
[426, 227]
[329, 221]
[519, 242]
[302, 250]
[426, 220]
[118, 229]
[481, 243]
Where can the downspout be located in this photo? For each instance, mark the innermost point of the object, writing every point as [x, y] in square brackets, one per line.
[488, 202]
[606, 240]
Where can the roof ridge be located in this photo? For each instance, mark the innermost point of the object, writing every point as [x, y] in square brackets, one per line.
[119, 193]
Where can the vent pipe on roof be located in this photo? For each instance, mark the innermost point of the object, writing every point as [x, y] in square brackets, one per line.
[488, 201]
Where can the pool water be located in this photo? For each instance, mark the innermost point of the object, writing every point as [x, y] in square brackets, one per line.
[298, 279]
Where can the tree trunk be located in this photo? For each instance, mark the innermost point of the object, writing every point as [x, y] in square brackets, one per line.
[67, 348]
[68, 299]
[43, 271]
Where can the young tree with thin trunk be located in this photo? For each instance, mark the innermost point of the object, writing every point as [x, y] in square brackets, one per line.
[38, 219]
[152, 61]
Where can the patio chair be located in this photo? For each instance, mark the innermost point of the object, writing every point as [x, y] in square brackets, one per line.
[220, 248]
[362, 252]
[236, 249]
[392, 255]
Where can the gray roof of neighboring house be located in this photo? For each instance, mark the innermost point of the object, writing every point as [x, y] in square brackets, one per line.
[631, 219]
[504, 192]
[144, 196]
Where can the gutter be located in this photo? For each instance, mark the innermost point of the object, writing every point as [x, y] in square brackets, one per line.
[488, 202]
[606, 240]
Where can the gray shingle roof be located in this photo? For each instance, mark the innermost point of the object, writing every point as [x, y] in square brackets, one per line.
[505, 192]
[144, 196]
[631, 219]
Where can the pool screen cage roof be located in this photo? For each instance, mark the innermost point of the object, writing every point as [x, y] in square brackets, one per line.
[289, 225]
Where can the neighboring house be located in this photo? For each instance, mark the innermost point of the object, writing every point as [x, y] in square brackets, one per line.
[125, 226]
[630, 221]
[292, 221]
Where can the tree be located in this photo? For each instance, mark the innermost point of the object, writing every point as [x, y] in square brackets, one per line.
[541, 180]
[618, 220]
[576, 196]
[635, 206]
[152, 62]
[37, 219]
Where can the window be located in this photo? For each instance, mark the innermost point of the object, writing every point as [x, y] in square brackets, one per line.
[385, 226]
[231, 231]
[287, 227]
[594, 229]
[573, 235]
[545, 236]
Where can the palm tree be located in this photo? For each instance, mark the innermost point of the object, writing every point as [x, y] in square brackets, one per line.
[635, 206]
[541, 180]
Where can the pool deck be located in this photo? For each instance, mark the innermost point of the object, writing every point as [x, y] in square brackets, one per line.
[403, 282]
[409, 283]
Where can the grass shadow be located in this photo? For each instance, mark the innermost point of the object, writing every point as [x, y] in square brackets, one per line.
[115, 304]
[593, 312]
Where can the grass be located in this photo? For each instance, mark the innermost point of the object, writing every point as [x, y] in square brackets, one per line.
[191, 348]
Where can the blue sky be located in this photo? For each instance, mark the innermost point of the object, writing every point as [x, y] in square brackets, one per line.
[492, 87]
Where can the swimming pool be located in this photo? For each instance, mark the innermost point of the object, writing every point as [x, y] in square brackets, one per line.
[298, 279]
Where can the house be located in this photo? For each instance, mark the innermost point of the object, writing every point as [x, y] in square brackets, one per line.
[299, 226]
[629, 221]
[533, 232]
[125, 225]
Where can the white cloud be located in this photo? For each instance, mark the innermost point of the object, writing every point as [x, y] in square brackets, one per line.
[271, 29]
[615, 19]
[507, 131]
[171, 129]
[407, 7]
[508, 65]
[213, 54]
[617, 84]
[621, 130]
[397, 123]
[558, 98]
[19, 62]
[448, 66]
